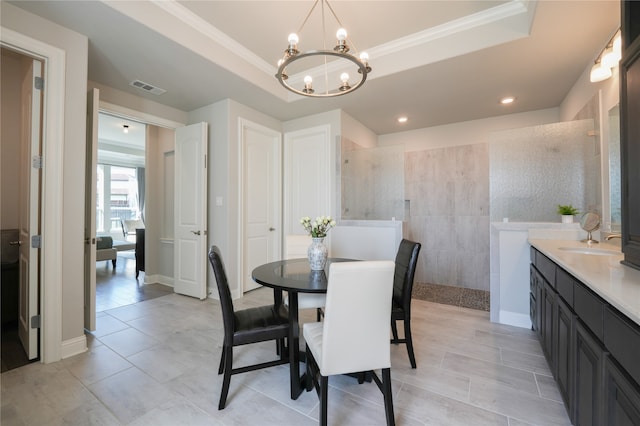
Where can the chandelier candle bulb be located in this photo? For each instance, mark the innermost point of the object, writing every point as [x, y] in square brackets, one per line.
[293, 44]
[307, 84]
[342, 45]
[344, 77]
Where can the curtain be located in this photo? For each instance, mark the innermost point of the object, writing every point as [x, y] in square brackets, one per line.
[141, 185]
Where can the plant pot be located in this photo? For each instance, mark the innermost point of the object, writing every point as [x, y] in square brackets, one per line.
[567, 218]
[317, 254]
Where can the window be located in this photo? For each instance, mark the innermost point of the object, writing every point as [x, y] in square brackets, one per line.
[117, 197]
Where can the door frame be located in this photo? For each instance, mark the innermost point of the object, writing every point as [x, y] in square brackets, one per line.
[50, 261]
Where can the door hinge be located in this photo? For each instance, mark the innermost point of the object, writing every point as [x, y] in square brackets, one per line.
[36, 162]
[38, 83]
[36, 321]
[36, 241]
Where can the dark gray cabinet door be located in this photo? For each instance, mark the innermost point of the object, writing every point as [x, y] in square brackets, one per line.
[564, 338]
[622, 397]
[535, 299]
[588, 373]
[548, 324]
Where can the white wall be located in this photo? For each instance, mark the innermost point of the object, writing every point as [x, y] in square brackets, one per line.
[141, 106]
[75, 96]
[11, 120]
[223, 180]
[160, 146]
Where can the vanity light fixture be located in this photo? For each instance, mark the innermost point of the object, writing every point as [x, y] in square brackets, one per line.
[125, 128]
[607, 59]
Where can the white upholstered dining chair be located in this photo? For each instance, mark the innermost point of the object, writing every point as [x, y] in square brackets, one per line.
[295, 247]
[354, 336]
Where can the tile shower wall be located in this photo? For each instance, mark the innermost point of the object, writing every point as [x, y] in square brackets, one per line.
[536, 168]
[447, 210]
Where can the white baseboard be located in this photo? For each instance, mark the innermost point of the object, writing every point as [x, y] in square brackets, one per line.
[74, 346]
[158, 279]
[514, 318]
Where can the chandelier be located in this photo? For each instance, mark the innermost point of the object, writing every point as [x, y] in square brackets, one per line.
[335, 68]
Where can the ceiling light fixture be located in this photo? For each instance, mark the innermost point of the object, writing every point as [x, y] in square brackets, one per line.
[607, 59]
[402, 120]
[125, 128]
[337, 65]
[507, 100]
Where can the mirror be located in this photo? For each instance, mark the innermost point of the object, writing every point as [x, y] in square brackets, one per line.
[614, 169]
[590, 222]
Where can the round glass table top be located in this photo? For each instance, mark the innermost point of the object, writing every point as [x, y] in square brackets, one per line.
[294, 274]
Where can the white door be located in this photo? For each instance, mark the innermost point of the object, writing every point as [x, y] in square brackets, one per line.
[261, 198]
[30, 209]
[190, 211]
[93, 101]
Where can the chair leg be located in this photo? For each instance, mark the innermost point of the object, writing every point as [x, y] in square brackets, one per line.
[324, 389]
[394, 330]
[221, 367]
[113, 262]
[407, 337]
[388, 397]
[318, 314]
[309, 370]
[281, 348]
[228, 357]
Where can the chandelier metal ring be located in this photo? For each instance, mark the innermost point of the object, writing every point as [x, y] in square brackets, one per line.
[363, 70]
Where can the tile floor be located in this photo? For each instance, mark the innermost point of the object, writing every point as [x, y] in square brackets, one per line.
[114, 287]
[119, 286]
[155, 363]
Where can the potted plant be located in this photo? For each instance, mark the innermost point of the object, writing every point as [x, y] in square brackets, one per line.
[567, 212]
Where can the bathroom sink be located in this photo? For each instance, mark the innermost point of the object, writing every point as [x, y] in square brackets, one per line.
[591, 250]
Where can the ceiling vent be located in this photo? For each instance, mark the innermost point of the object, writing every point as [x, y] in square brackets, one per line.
[147, 87]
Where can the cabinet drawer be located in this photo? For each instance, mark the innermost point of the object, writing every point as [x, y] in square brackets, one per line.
[547, 268]
[589, 308]
[564, 285]
[622, 339]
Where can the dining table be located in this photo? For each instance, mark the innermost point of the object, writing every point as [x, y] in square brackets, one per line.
[294, 276]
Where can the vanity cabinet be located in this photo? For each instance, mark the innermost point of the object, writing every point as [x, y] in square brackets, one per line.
[592, 348]
[565, 334]
[630, 132]
[587, 386]
[622, 405]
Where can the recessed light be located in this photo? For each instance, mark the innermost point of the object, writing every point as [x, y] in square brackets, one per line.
[402, 120]
[507, 100]
[125, 128]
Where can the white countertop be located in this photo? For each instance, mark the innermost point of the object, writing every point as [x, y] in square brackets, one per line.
[618, 284]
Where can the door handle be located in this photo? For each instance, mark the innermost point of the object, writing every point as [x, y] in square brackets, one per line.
[195, 232]
[89, 240]
[15, 243]
[272, 229]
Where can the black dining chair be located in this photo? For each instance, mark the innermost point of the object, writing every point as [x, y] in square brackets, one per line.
[245, 326]
[406, 261]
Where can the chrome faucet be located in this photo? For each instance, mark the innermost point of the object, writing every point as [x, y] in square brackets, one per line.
[610, 236]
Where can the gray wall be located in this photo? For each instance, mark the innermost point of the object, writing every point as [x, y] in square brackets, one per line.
[448, 212]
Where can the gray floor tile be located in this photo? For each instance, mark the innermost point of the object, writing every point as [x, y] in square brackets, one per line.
[155, 362]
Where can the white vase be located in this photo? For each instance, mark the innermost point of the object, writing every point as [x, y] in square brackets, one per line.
[317, 254]
[567, 218]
